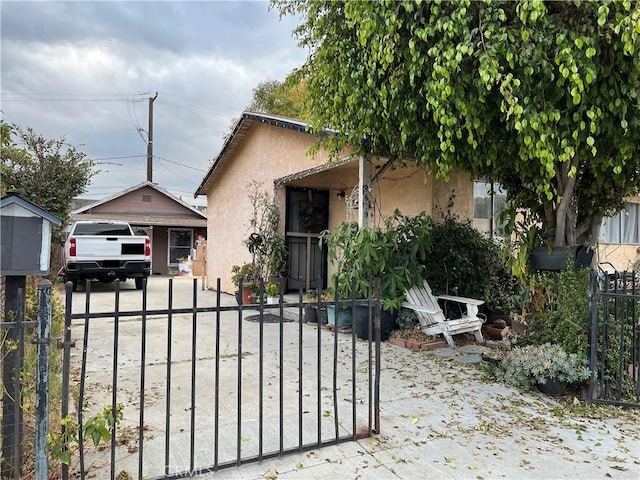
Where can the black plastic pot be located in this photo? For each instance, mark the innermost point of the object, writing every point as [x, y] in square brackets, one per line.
[360, 323]
[311, 314]
[543, 259]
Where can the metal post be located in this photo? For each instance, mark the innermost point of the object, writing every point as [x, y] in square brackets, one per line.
[42, 387]
[11, 401]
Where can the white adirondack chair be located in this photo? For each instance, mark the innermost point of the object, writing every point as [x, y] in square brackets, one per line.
[421, 300]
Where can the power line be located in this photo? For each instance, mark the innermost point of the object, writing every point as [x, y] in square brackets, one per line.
[116, 158]
[181, 164]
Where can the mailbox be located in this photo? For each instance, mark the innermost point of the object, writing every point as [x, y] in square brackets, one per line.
[25, 237]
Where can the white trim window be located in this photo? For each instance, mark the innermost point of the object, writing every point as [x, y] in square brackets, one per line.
[180, 245]
[624, 227]
[489, 201]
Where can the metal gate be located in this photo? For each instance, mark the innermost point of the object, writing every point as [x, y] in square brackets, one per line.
[614, 323]
[202, 388]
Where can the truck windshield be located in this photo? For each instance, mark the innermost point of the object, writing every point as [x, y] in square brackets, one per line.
[104, 229]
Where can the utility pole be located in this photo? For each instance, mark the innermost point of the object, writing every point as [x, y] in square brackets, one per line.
[150, 142]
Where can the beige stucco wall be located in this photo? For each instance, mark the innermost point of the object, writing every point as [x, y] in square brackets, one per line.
[622, 257]
[269, 152]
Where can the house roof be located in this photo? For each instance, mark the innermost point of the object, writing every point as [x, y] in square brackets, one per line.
[137, 187]
[15, 199]
[135, 219]
[248, 120]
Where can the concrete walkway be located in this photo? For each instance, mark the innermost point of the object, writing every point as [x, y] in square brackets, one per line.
[442, 418]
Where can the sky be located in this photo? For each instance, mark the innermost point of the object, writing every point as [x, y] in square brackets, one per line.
[85, 71]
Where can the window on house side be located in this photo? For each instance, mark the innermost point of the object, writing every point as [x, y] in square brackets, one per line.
[180, 244]
[624, 227]
[489, 201]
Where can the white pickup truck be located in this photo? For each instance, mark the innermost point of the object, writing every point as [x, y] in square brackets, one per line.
[106, 250]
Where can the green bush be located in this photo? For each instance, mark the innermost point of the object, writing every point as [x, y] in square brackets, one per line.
[537, 364]
[562, 312]
[462, 261]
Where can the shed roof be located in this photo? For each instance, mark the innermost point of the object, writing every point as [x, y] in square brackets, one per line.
[15, 199]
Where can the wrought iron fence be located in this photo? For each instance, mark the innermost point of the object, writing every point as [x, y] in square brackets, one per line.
[210, 387]
[614, 323]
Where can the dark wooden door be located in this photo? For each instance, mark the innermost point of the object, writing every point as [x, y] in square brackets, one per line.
[307, 216]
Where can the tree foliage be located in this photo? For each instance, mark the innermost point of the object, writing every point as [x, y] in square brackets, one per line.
[542, 97]
[49, 173]
[280, 98]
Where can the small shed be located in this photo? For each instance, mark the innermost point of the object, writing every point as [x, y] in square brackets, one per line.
[25, 237]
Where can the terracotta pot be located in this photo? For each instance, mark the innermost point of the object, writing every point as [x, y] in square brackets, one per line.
[247, 299]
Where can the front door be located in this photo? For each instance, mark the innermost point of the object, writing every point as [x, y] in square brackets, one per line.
[307, 216]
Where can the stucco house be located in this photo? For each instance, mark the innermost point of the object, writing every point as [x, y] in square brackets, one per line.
[274, 151]
[173, 225]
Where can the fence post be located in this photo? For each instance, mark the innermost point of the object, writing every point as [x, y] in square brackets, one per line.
[593, 332]
[12, 351]
[43, 339]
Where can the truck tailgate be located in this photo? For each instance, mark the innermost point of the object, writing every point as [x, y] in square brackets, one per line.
[110, 247]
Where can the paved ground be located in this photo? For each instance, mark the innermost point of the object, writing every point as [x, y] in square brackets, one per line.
[441, 418]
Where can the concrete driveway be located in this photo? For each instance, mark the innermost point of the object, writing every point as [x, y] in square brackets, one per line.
[440, 418]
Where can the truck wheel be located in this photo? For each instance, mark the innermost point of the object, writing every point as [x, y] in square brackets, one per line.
[139, 281]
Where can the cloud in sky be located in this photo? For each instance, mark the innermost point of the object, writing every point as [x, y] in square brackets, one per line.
[85, 70]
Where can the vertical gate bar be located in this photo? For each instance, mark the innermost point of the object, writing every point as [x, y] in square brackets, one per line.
[167, 415]
[376, 394]
[194, 360]
[83, 373]
[353, 370]
[239, 386]
[143, 354]
[334, 388]
[66, 359]
[216, 389]
[114, 392]
[319, 365]
[635, 338]
[300, 376]
[281, 383]
[260, 387]
[370, 311]
[43, 339]
[592, 332]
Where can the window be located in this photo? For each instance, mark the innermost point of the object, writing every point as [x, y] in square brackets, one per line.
[180, 244]
[489, 201]
[623, 227]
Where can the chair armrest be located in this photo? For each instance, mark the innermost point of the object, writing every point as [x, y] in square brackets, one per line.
[468, 301]
[420, 308]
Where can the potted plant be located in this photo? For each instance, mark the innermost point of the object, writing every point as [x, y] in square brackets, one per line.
[271, 291]
[312, 312]
[545, 366]
[393, 253]
[244, 273]
[277, 259]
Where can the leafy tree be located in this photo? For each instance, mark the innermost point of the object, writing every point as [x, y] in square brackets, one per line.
[50, 173]
[542, 97]
[280, 98]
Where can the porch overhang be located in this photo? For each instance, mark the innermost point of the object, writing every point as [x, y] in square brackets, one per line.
[318, 176]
